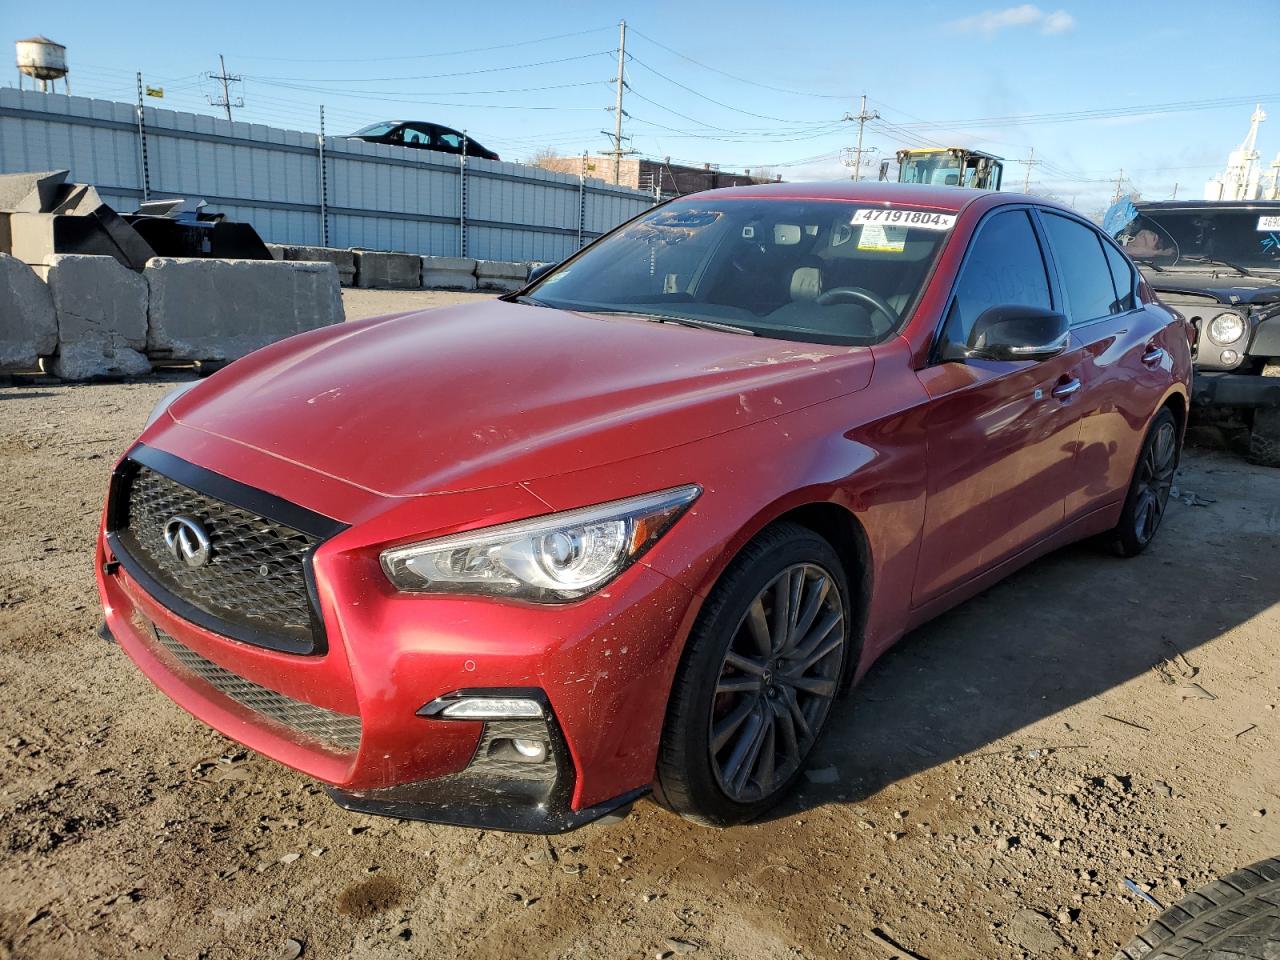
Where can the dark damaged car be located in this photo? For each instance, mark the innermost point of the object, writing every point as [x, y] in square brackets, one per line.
[1218, 263]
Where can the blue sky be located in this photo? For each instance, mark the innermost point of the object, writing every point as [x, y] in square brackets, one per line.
[744, 85]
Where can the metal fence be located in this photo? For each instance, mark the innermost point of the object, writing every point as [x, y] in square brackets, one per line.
[298, 188]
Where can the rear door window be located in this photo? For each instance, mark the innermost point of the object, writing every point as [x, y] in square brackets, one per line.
[1005, 267]
[1086, 274]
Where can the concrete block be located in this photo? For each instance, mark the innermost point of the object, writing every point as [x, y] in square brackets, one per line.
[224, 309]
[276, 250]
[81, 199]
[397, 271]
[498, 275]
[16, 187]
[344, 260]
[101, 307]
[28, 325]
[448, 273]
[31, 237]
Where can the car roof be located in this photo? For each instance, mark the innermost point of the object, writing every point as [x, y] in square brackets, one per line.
[1206, 204]
[870, 191]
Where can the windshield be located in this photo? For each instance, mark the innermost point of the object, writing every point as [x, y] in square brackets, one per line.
[823, 271]
[1245, 238]
[376, 129]
[942, 170]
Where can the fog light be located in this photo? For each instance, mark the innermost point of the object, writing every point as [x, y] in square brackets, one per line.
[1230, 358]
[533, 749]
[483, 708]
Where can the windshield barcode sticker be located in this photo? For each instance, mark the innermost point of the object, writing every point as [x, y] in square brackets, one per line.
[919, 219]
[1268, 223]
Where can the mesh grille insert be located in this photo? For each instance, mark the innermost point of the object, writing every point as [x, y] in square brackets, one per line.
[256, 575]
[304, 719]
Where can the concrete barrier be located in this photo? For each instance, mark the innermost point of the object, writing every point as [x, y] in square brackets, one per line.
[497, 275]
[28, 325]
[101, 307]
[395, 271]
[344, 260]
[224, 309]
[448, 273]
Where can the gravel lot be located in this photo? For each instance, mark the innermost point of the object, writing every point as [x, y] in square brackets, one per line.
[984, 794]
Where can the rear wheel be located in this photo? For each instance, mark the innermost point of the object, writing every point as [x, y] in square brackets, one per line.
[1148, 497]
[757, 679]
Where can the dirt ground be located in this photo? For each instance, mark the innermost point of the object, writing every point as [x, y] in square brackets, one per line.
[984, 794]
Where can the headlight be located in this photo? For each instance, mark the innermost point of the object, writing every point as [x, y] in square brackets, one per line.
[549, 559]
[166, 401]
[1226, 328]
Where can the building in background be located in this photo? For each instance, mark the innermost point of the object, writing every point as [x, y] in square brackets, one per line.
[657, 177]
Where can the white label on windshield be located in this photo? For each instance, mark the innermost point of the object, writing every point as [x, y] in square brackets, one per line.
[1269, 223]
[919, 219]
[882, 239]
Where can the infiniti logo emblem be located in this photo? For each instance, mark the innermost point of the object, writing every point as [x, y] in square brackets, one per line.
[187, 541]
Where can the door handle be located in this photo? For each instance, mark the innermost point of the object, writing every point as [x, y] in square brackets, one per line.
[1066, 388]
[1153, 355]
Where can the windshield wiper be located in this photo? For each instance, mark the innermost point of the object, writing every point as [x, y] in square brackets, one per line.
[528, 301]
[1149, 263]
[1224, 263]
[680, 321]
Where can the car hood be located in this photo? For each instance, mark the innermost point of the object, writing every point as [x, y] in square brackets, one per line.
[496, 393]
[1226, 287]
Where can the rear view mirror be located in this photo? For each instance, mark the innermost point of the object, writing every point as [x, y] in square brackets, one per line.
[540, 271]
[1014, 332]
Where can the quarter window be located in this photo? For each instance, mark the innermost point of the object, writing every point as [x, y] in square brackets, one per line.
[1005, 267]
[1122, 277]
[1086, 275]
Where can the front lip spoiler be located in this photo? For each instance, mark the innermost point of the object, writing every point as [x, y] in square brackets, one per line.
[509, 805]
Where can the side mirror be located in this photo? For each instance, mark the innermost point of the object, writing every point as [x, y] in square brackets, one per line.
[540, 271]
[1014, 332]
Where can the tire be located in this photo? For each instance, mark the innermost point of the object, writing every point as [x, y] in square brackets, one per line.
[765, 709]
[1148, 496]
[1237, 916]
[1264, 437]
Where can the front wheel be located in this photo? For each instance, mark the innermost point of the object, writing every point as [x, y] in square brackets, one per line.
[757, 679]
[1264, 437]
[1148, 497]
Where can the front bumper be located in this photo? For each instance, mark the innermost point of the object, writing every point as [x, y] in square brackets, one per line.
[1235, 390]
[602, 666]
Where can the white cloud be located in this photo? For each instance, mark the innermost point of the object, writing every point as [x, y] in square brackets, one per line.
[991, 22]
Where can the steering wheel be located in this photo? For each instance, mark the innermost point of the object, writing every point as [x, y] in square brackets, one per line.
[856, 294]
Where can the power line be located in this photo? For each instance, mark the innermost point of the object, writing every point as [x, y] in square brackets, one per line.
[1101, 113]
[703, 96]
[430, 56]
[731, 76]
[438, 76]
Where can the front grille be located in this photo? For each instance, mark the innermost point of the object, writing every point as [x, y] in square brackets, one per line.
[253, 586]
[305, 720]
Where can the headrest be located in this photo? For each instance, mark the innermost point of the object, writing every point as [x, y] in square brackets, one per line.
[806, 283]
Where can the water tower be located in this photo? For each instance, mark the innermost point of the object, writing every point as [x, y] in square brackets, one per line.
[44, 61]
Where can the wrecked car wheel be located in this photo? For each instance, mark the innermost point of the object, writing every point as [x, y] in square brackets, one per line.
[1264, 437]
[1237, 916]
[1148, 497]
[757, 680]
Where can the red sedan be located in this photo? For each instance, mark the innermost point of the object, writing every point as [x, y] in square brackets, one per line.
[516, 563]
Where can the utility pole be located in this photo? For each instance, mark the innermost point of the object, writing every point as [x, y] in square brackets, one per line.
[226, 79]
[1030, 162]
[862, 119]
[1119, 184]
[617, 105]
